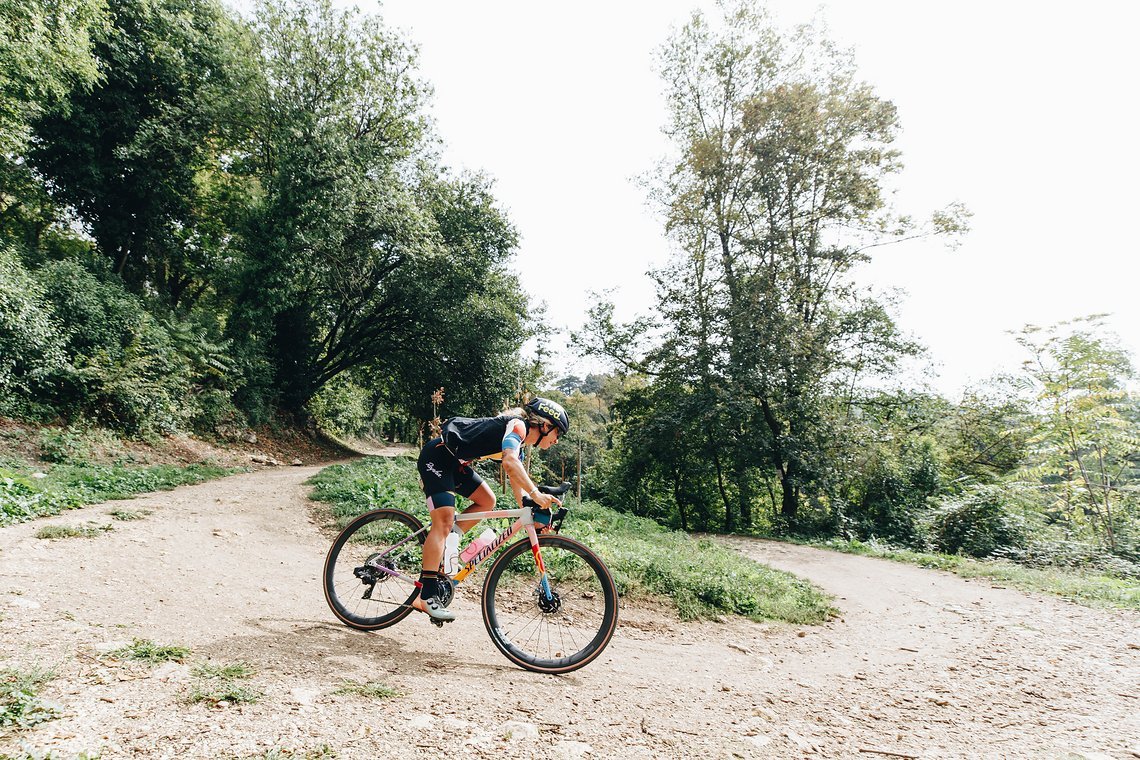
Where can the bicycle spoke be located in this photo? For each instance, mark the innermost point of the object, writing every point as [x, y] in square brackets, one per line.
[555, 633]
[369, 569]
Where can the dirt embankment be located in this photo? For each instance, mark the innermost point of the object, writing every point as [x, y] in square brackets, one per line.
[921, 663]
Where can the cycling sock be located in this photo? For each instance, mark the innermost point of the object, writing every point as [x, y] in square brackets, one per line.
[430, 581]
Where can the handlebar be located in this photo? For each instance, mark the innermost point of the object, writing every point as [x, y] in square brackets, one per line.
[544, 516]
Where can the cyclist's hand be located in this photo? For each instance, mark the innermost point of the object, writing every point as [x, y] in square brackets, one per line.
[544, 500]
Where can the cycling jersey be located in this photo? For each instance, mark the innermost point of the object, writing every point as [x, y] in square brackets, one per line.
[444, 462]
[471, 438]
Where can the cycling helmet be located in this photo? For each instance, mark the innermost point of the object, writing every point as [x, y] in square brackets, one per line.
[551, 411]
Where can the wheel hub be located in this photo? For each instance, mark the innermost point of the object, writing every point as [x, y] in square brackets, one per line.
[548, 605]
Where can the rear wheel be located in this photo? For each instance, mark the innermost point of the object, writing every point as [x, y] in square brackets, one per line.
[556, 629]
[371, 569]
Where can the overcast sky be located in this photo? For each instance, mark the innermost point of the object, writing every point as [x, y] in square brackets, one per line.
[1024, 111]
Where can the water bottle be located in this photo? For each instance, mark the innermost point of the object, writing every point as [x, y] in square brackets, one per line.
[485, 539]
[451, 553]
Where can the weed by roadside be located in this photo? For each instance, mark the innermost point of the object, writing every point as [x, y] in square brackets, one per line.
[27, 493]
[145, 650]
[219, 685]
[20, 704]
[368, 690]
[90, 530]
[127, 515]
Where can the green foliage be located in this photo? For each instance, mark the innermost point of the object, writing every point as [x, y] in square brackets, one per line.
[1086, 441]
[978, 523]
[342, 408]
[218, 684]
[45, 52]
[72, 486]
[702, 578]
[366, 484]
[369, 690]
[143, 155]
[89, 530]
[20, 704]
[145, 650]
[31, 353]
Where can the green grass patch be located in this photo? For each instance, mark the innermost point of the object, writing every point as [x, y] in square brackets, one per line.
[20, 704]
[700, 577]
[1086, 587]
[366, 484]
[368, 690]
[89, 530]
[128, 515]
[145, 650]
[221, 684]
[26, 493]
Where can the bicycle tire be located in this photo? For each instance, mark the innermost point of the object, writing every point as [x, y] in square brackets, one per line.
[387, 599]
[550, 635]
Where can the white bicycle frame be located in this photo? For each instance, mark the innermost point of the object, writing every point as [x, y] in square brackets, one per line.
[523, 518]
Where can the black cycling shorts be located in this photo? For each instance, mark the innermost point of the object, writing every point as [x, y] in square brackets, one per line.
[442, 472]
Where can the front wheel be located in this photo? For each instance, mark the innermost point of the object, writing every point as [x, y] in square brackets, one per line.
[556, 629]
[371, 569]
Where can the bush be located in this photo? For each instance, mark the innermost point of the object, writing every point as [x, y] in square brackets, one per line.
[342, 408]
[1075, 555]
[31, 350]
[977, 524]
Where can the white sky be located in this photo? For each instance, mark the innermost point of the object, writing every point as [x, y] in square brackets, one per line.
[1022, 110]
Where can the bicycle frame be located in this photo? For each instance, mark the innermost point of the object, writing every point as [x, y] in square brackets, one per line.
[524, 518]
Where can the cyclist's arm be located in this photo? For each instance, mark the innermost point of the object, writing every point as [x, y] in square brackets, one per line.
[521, 483]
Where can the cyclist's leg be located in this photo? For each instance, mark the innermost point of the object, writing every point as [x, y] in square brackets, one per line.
[471, 486]
[437, 468]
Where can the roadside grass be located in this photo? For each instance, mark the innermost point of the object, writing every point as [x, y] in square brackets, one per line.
[220, 685]
[702, 579]
[368, 690]
[20, 704]
[1086, 587]
[127, 515]
[145, 650]
[27, 493]
[90, 530]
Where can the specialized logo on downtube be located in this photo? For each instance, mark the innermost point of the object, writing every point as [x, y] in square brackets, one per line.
[486, 551]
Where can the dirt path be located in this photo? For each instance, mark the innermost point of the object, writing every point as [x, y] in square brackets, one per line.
[921, 664]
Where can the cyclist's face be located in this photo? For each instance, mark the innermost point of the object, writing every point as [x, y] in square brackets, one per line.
[549, 437]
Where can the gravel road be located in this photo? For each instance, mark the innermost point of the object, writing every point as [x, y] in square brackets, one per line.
[920, 663]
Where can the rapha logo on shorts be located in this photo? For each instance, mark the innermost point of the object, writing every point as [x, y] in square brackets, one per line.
[433, 470]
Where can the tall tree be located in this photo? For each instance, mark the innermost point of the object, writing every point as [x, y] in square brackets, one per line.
[144, 157]
[774, 193]
[361, 251]
[1086, 443]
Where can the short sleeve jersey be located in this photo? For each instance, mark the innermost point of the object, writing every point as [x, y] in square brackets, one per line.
[471, 438]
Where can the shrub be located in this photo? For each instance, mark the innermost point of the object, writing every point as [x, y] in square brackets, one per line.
[31, 351]
[978, 524]
[342, 407]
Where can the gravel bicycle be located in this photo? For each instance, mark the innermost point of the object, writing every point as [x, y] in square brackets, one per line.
[549, 603]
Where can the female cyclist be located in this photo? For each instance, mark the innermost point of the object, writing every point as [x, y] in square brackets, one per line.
[445, 469]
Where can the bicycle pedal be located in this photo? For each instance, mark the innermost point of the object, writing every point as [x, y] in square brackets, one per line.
[436, 623]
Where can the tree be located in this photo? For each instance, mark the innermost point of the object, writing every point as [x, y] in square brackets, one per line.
[45, 52]
[149, 156]
[776, 191]
[1085, 444]
[363, 252]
